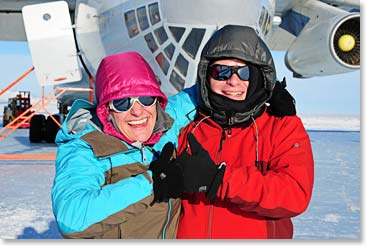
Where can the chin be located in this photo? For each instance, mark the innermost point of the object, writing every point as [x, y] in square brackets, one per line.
[142, 139]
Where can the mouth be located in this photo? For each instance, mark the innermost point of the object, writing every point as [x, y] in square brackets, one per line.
[135, 123]
[233, 93]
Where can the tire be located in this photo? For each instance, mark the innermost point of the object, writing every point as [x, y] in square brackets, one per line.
[51, 128]
[5, 122]
[37, 128]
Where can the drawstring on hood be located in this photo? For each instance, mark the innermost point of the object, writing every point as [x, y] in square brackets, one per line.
[256, 140]
[242, 43]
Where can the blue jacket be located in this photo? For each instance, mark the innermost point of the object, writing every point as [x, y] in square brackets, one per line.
[86, 206]
[102, 187]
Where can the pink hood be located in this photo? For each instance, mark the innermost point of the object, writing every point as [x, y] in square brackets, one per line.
[124, 75]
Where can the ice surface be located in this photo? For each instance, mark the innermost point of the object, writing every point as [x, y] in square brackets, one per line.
[333, 213]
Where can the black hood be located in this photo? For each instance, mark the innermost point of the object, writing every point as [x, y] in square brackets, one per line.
[242, 43]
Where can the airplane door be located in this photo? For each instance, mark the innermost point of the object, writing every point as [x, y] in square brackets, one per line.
[51, 42]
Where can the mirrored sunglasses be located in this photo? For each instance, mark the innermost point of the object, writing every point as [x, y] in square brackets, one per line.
[125, 104]
[223, 72]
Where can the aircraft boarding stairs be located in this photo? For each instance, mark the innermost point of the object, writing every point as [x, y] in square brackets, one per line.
[37, 107]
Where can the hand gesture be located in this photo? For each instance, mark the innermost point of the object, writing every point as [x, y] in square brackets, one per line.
[281, 102]
[200, 174]
[167, 176]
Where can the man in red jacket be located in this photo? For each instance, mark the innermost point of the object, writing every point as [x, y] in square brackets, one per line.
[246, 171]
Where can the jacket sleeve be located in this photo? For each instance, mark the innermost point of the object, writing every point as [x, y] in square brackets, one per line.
[182, 107]
[281, 187]
[79, 198]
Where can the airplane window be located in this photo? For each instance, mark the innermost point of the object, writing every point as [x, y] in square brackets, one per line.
[131, 24]
[149, 39]
[267, 25]
[169, 50]
[264, 23]
[159, 80]
[177, 32]
[182, 64]
[142, 17]
[193, 41]
[161, 35]
[262, 15]
[177, 81]
[154, 13]
[163, 63]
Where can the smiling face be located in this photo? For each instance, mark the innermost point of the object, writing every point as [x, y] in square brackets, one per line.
[136, 124]
[234, 88]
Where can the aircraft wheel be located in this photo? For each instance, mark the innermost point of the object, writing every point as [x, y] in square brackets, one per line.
[37, 128]
[51, 128]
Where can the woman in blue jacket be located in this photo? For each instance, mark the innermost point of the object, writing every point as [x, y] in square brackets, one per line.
[103, 187]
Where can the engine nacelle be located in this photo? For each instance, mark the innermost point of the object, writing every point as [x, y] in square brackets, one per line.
[326, 47]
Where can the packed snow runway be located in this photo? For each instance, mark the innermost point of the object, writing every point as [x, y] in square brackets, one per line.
[334, 211]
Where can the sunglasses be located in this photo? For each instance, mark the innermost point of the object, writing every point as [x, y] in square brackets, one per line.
[125, 104]
[223, 72]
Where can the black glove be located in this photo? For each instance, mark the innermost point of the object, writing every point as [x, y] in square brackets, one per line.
[200, 174]
[167, 176]
[281, 102]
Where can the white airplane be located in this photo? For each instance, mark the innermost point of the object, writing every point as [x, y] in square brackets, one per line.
[68, 39]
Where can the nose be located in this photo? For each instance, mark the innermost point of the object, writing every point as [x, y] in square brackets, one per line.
[234, 80]
[137, 109]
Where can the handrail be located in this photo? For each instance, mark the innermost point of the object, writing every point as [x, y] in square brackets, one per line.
[38, 106]
[16, 81]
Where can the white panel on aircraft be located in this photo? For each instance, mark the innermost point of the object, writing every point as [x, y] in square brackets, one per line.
[51, 42]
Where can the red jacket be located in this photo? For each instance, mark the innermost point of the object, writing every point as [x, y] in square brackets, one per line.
[254, 200]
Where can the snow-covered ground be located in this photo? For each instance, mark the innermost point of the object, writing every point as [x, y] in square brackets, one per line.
[334, 211]
[331, 122]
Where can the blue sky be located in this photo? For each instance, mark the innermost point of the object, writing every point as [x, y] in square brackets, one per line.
[337, 94]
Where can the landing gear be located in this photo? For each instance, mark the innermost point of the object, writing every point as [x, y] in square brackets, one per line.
[37, 128]
[42, 129]
[51, 128]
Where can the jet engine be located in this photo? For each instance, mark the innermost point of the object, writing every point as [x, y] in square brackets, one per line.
[315, 54]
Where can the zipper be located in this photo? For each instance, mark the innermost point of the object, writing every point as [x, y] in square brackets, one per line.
[222, 138]
[273, 228]
[143, 156]
[218, 160]
[210, 222]
[168, 218]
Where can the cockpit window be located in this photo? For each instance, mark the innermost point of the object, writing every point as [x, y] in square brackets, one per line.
[131, 24]
[182, 65]
[177, 32]
[142, 17]
[163, 63]
[149, 39]
[161, 35]
[193, 41]
[154, 13]
[176, 80]
[169, 50]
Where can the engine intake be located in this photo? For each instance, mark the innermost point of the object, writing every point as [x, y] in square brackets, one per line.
[346, 41]
[326, 47]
